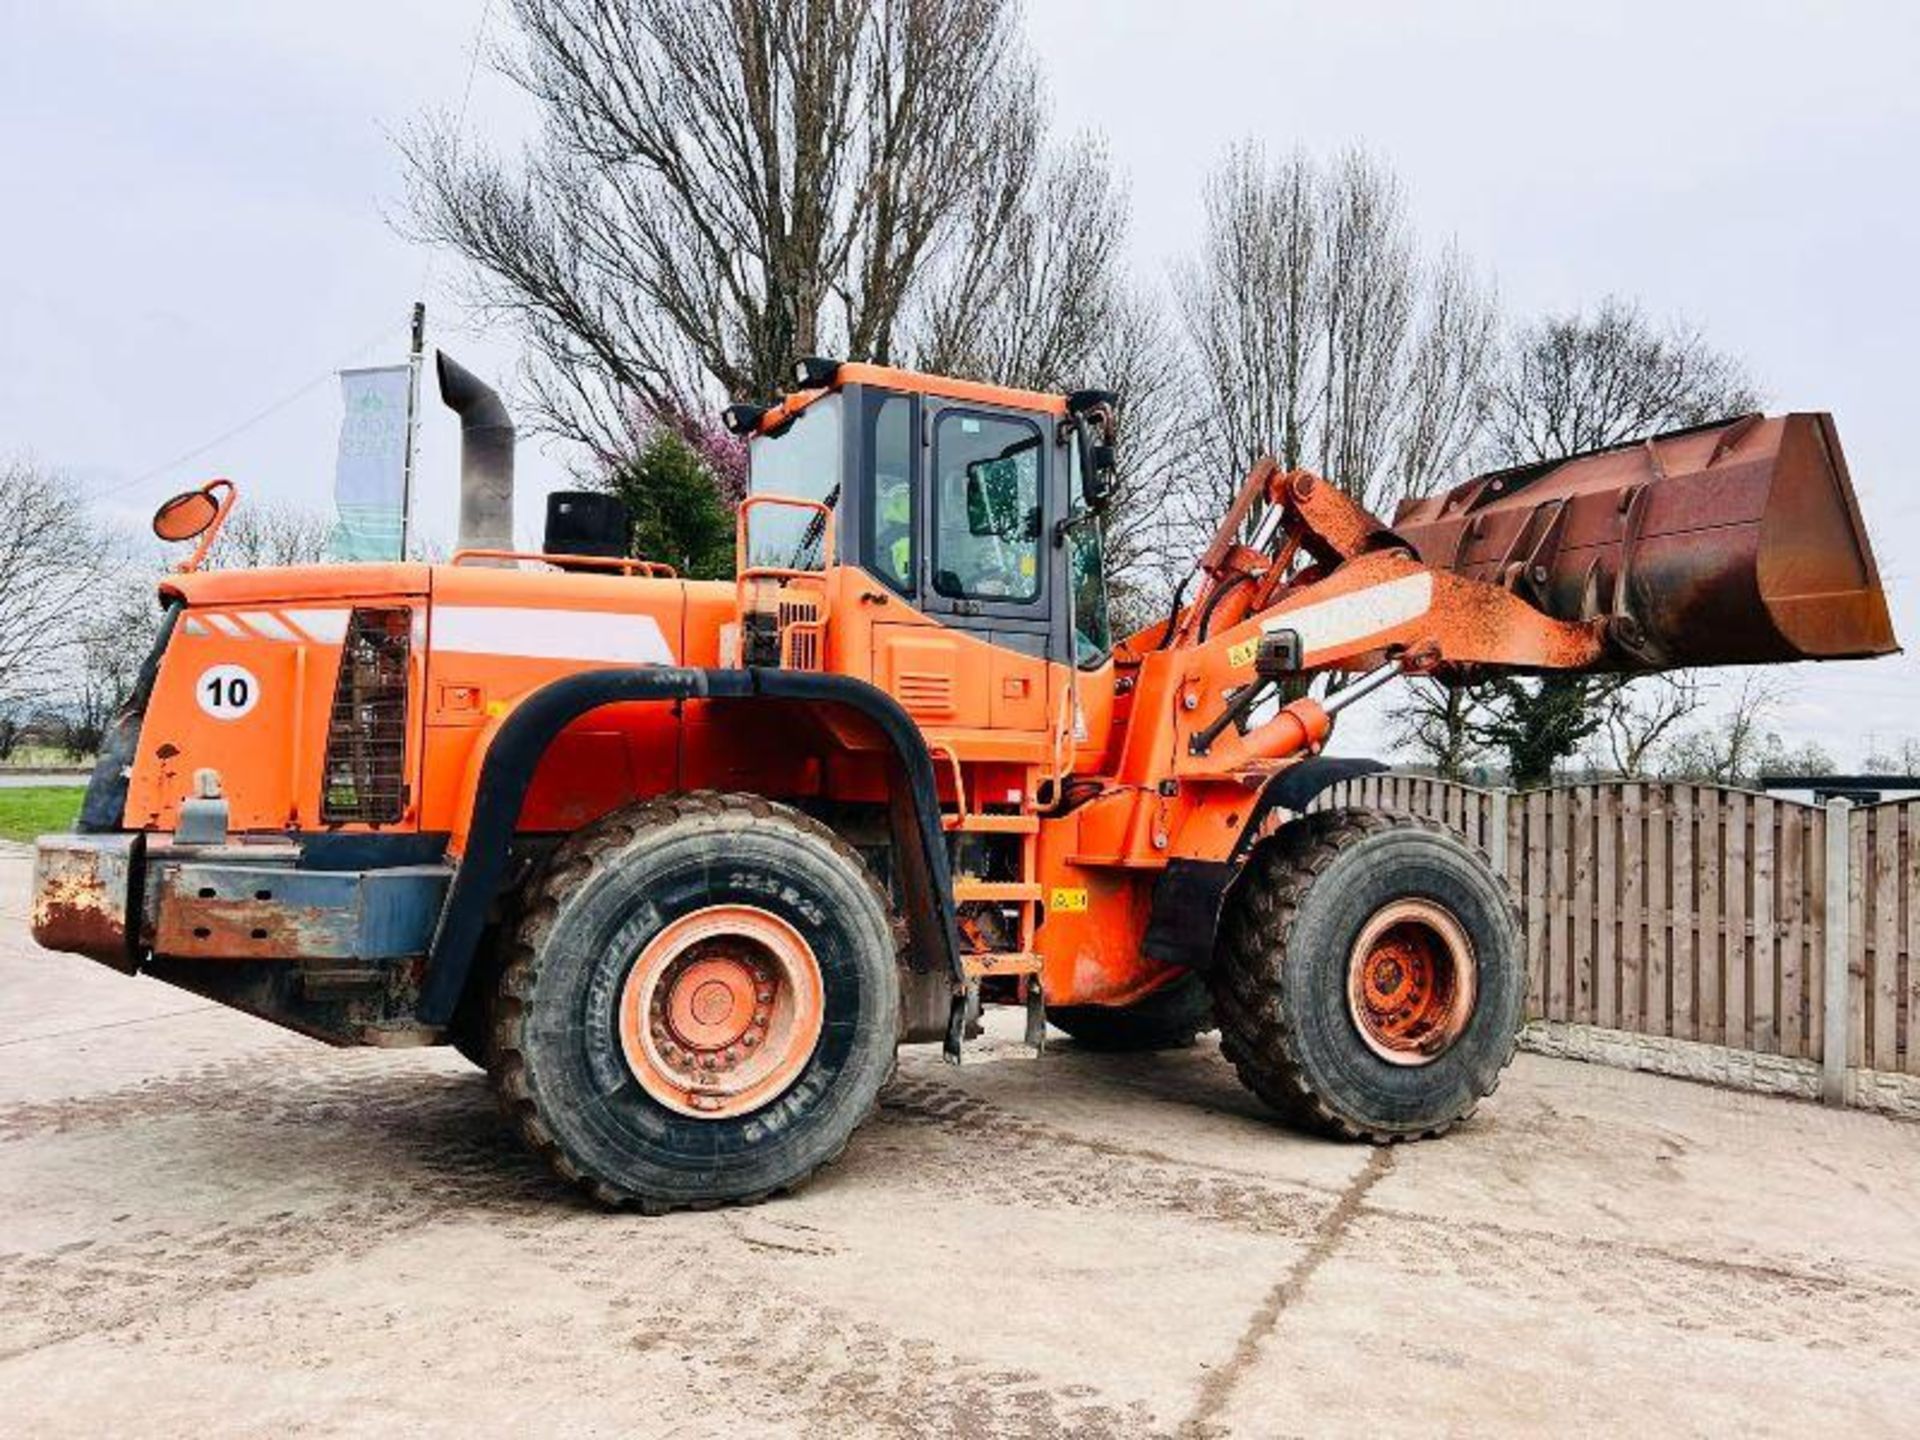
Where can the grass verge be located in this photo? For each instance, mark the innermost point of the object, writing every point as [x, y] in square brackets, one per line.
[31, 810]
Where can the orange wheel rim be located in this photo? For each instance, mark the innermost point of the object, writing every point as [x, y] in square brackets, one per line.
[721, 1011]
[1410, 982]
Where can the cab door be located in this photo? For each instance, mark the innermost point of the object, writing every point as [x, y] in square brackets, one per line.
[953, 520]
[987, 548]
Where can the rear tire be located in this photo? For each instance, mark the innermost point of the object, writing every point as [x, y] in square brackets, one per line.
[1171, 1017]
[1368, 978]
[732, 920]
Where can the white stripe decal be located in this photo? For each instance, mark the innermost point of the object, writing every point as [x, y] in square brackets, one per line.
[589, 635]
[1338, 622]
[315, 627]
[268, 625]
[326, 625]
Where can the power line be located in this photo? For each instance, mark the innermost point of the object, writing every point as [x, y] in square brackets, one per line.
[460, 116]
[265, 413]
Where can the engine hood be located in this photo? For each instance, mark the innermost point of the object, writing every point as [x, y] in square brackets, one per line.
[296, 582]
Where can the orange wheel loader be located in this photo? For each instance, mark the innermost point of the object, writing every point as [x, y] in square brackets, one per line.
[682, 863]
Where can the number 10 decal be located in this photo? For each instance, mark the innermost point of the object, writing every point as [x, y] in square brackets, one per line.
[226, 692]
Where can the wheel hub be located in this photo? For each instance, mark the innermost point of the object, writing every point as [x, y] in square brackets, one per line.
[1410, 982]
[721, 1011]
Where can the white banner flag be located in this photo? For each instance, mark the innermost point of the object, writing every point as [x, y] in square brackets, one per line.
[369, 478]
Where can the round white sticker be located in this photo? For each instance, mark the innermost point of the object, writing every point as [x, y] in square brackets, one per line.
[226, 692]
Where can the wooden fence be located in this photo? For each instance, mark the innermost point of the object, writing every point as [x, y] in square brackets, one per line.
[1704, 913]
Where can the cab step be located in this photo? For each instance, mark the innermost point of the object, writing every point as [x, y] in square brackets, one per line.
[1012, 962]
[991, 824]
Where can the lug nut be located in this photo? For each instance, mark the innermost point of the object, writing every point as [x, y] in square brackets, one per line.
[750, 1039]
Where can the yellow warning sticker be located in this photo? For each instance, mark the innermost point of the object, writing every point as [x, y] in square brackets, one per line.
[1243, 653]
[1068, 901]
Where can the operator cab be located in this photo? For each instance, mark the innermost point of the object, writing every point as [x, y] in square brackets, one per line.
[976, 504]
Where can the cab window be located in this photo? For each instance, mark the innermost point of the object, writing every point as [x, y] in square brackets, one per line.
[988, 521]
[890, 527]
[801, 460]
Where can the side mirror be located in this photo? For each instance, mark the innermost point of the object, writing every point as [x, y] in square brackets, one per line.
[1097, 477]
[1095, 418]
[185, 516]
[195, 515]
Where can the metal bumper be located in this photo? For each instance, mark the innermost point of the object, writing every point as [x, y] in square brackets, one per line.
[84, 894]
[114, 898]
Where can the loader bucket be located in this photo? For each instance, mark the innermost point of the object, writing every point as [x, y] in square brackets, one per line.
[1731, 544]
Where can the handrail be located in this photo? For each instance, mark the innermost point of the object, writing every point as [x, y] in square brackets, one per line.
[782, 572]
[960, 817]
[626, 565]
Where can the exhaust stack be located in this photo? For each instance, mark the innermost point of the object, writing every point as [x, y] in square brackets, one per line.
[486, 456]
[1731, 544]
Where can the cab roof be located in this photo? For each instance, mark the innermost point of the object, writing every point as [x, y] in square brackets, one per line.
[915, 382]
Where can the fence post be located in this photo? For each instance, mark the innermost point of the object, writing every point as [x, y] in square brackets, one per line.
[1833, 1050]
[1497, 829]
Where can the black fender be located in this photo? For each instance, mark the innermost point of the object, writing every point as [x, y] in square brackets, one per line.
[920, 848]
[1190, 894]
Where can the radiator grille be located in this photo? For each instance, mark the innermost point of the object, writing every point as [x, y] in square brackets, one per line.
[366, 768]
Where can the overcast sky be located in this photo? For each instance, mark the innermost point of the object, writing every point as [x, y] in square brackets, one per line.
[199, 196]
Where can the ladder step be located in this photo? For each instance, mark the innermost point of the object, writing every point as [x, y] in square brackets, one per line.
[993, 824]
[1011, 963]
[1003, 892]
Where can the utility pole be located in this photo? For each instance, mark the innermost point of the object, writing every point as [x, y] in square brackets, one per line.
[414, 357]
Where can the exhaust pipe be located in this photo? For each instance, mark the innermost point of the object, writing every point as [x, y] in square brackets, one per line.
[486, 456]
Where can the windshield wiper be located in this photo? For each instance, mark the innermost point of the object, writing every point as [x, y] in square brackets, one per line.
[815, 531]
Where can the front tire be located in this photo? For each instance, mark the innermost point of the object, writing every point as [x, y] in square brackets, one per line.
[1368, 978]
[700, 1006]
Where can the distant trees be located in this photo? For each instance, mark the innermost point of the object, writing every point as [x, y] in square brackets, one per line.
[270, 532]
[77, 607]
[53, 559]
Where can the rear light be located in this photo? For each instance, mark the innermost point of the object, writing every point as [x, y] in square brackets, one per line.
[365, 779]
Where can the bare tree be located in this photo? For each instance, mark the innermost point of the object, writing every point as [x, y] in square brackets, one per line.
[1638, 718]
[1894, 757]
[721, 186]
[268, 533]
[1322, 337]
[115, 636]
[53, 558]
[1732, 748]
[1251, 303]
[1570, 383]
[1035, 281]
[1438, 722]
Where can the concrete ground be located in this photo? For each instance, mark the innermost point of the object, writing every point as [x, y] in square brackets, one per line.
[209, 1227]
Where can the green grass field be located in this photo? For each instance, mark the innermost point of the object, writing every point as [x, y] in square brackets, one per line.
[35, 809]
